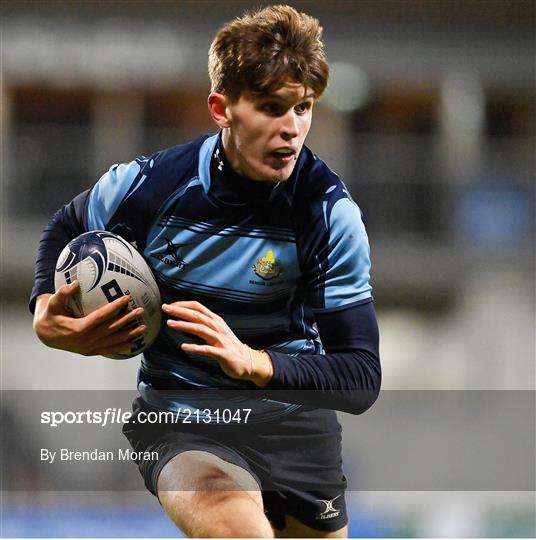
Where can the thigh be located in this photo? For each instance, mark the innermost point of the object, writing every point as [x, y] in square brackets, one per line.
[206, 496]
[163, 443]
[307, 481]
[295, 529]
[202, 470]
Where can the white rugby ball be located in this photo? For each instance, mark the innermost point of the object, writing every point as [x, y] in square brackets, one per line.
[108, 267]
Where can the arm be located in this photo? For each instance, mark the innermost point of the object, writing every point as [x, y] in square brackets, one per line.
[347, 378]
[66, 224]
[102, 331]
[335, 262]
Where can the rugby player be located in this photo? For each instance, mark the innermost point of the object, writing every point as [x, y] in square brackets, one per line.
[263, 263]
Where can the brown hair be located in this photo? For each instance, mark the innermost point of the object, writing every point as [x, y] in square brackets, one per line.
[263, 49]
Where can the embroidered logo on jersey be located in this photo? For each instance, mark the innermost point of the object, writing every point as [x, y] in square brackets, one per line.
[268, 267]
[170, 255]
[329, 511]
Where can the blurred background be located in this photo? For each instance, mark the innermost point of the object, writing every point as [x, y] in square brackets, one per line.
[430, 120]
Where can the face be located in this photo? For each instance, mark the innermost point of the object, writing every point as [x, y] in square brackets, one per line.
[265, 134]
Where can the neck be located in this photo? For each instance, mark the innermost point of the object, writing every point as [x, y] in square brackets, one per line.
[230, 151]
[229, 185]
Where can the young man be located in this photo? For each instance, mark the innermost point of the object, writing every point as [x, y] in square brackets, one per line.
[259, 251]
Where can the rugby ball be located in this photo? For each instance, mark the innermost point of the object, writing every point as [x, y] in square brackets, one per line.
[107, 267]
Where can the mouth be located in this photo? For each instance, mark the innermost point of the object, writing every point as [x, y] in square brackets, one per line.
[285, 154]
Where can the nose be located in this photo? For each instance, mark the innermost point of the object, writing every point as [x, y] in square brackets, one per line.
[289, 126]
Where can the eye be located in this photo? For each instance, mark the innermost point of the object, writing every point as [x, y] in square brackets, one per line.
[272, 108]
[302, 108]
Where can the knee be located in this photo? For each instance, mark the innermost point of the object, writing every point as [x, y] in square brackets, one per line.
[216, 514]
[203, 502]
[236, 514]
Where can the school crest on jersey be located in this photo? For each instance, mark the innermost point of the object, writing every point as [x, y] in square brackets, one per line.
[268, 267]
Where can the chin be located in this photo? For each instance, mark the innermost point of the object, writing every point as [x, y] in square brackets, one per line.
[282, 178]
[280, 175]
[270, 174]
[275, 177]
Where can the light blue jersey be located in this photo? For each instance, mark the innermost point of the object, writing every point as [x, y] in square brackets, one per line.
[266, 266]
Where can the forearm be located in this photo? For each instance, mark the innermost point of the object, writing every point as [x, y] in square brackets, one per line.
[346, 378]
[65, 225]
[41, 303]
[41, 321]
[348, 382]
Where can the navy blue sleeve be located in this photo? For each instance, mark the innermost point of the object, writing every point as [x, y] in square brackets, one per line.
[348, 377]
[66, 224]
[124, 200]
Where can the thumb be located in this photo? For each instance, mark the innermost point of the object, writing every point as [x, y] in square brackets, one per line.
[59, 298]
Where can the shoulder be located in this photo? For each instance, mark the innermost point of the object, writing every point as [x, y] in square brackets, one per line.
[312, 177]
[315, 184]
[316, 190]
[137, 189]
[332, 240]
[176, 158]
[166, 163]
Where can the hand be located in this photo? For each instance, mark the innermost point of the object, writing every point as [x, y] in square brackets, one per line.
[235, 358]
[101, 332]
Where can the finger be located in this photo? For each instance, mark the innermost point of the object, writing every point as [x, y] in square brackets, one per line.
[203, 350]
[126, 336]
[58, 299]
[106, 312]
[121, 322]
[124, 320]
[124, 347]
[71, 289]
[191, 305]
[198, 330]
[190, 314]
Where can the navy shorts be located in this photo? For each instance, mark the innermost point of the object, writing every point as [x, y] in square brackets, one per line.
[296, 462]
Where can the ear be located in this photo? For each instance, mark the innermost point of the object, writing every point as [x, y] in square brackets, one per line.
[217, 105]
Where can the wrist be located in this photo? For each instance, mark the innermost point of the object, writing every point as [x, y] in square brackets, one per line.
[262, 369]
[39, 318]
[41, 304]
